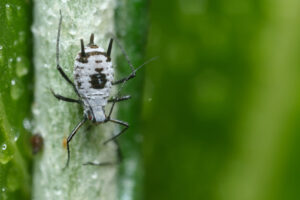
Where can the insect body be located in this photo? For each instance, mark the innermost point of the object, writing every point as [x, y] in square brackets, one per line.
[93, 79]
[93, 75]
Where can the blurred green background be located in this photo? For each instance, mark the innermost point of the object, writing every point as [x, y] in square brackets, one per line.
[221, 107]
[221, 111]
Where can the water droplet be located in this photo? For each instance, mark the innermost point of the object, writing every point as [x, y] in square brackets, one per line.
[9, 13]
[46, 66]
[15, 90]
[27, 124]
[35, 110]
[149, 99]
[98, 22]
[17, 135]
[6, 152]
[21, 68]
[94, 175]
[72, 31]
[3, 194]
[104, 5]
[58, 192]
[10, 63]
[1, 55]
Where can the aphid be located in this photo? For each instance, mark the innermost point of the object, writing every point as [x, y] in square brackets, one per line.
[37, 143]
[93, 79]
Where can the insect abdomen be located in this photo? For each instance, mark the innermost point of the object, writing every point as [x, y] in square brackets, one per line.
[93, 77]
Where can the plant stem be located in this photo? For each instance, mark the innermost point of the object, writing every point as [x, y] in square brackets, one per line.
[54, 120]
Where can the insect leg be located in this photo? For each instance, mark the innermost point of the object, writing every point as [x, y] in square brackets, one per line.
[122, 131]
[62, 73]
[59, 97]
[118, 99]
[119, 158]
[71, 136]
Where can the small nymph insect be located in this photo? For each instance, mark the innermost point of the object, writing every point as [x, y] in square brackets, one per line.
[93, 79]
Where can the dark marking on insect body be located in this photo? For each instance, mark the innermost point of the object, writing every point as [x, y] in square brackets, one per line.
[98, 61]
[93, 46]
[78, 84]
[93, 53]
[98, 80]
[82, 59]
[99, 70]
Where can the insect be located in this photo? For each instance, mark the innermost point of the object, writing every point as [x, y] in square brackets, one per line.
[37, 143]
[93, 80]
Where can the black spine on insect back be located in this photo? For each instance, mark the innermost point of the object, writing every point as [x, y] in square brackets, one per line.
[92, 39]
[82, 48]
[109, 48]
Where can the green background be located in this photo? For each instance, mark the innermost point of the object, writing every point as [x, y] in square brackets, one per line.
[221, 104]
[15, 98]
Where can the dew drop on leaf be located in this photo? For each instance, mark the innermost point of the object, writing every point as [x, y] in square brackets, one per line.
[9, 13]
[21, 68]
[15, 90]
[6, 153]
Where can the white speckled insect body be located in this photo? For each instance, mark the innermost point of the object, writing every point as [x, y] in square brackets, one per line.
[93, 76]
[93, 79]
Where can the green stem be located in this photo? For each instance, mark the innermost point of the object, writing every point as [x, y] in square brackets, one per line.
[133, 33]
[55, 119]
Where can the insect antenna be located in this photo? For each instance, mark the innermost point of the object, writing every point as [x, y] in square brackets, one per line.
[58, 36]
[122, 50]
[145, 63]
[123, 83]
[91, 40]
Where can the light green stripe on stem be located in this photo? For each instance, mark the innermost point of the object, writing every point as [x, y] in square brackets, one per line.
[54, 120]
[265, 131]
